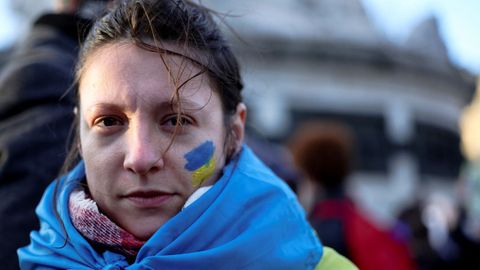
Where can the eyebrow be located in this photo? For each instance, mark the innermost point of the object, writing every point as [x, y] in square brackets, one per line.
[105, 105]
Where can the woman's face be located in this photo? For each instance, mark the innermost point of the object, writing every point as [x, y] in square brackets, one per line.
[127, 121]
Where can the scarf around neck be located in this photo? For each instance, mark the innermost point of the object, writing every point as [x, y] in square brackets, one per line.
[249, 219]
[98, 228]
[102, 231]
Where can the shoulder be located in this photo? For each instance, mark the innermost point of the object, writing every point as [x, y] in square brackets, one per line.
[332, 260]
[250, 167]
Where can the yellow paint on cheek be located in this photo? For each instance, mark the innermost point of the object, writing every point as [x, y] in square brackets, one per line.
[203, 173]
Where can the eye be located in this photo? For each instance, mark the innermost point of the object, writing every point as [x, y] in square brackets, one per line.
[108, 121]
[177, 120]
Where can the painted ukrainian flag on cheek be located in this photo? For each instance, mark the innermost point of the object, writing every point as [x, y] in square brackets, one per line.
[201, 162]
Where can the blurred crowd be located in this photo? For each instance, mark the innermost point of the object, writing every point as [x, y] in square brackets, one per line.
[316, 162]
[430, 233]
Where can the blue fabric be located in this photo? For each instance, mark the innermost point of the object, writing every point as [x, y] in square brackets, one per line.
[249, 219]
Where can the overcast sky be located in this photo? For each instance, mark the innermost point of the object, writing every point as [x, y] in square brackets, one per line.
[459, 24]
[7, 33]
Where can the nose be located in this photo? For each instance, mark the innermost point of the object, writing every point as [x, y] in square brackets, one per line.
[143, 150]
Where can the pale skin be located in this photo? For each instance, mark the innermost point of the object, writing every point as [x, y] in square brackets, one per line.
[126, 124]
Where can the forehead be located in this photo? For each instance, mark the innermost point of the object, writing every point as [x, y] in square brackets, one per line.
[124, 72]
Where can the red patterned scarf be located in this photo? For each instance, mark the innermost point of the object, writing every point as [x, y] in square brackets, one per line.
[98, 228]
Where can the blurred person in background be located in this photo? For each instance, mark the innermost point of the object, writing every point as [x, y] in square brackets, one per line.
[444, 234]
[323, 151]
[35, 117]
[425, 224]
[466, 235]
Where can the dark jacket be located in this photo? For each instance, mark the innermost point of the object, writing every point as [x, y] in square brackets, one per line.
[34, 124]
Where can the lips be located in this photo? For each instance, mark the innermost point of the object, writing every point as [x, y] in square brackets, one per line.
[148, 199]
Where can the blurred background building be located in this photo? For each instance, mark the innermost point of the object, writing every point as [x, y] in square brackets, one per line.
[305, 59]
[325, 59]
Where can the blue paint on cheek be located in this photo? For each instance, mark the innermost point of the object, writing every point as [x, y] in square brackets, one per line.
[199, 156]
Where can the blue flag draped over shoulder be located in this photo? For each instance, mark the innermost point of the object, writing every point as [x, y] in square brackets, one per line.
[248, 220]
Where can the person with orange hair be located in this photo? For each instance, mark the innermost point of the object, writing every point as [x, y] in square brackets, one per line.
[323, 151]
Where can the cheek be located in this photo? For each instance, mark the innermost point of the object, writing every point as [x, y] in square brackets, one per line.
[97, 188]
[101, 165]
[99, 151]
[95, 169]
[201, 162]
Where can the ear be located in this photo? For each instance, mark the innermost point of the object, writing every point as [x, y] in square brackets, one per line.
[238, 126]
